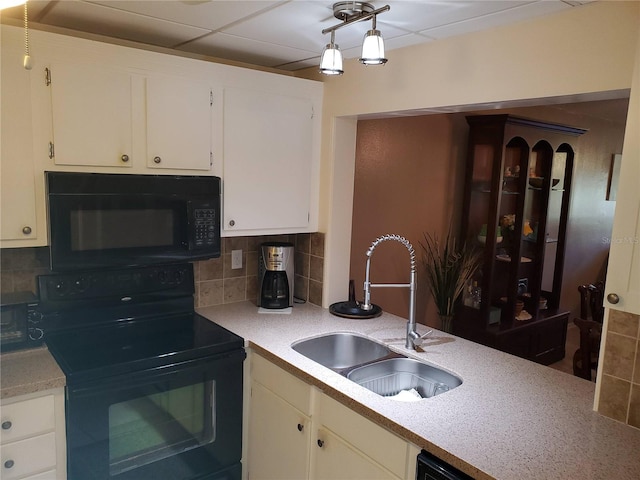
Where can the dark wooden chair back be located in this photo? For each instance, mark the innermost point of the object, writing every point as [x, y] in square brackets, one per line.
[591, 301]
[585, 358]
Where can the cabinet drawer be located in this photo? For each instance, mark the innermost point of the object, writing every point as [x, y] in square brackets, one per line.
[374, 441]
[28, 456]
[48, 475]
[26, 418]
[297, 392]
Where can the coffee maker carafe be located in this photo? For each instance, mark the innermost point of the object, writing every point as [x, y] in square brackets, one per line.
[275, 275]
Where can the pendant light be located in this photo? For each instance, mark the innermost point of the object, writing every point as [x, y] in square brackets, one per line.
[331, 60]
[373, 47]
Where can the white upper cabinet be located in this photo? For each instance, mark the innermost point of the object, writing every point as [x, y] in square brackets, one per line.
[268, 161]
[623, 280]
[92, 110]
[179, 123]
[110, 117]
[22, 222]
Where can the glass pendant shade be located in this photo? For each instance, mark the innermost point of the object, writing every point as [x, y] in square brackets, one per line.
[373, 48]
[331, 60]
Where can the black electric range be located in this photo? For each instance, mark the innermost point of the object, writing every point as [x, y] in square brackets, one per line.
[140, 363]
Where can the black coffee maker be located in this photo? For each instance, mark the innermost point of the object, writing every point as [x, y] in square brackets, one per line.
[275, 275]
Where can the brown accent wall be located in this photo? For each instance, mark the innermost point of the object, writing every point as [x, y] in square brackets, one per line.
[409, 180]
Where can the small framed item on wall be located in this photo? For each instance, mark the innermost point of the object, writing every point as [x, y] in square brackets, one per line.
[614, 177]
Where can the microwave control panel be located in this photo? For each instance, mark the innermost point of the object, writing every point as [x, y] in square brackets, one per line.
[204, 224]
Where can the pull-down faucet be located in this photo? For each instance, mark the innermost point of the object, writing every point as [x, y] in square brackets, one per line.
[413, 338]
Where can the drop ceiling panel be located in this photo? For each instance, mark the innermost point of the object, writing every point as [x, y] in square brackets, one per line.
[504, 17]
[116, 23]
[246, 50]
[416, 16]
[208, 14]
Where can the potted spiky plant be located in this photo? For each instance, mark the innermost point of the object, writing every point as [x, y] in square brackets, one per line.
[448, 267]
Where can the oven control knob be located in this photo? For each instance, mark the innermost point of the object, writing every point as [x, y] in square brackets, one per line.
[36, 333]
[81, 284]
[61, 288]
[34, 316]
[178, 277]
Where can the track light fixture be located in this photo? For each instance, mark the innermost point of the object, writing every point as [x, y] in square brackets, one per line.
[372, 46]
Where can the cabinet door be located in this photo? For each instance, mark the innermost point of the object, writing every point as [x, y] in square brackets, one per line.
[623, 277]
[267, 161]
[17, 172]
[337, 459]
[92, 115]
[352, 446]
[179, 123]
[278, 437]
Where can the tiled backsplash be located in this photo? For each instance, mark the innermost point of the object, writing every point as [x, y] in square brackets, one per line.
[620, 387]
[20, 266]
[216, 282]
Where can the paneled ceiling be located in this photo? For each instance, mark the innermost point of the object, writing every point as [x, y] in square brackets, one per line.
[281, 34]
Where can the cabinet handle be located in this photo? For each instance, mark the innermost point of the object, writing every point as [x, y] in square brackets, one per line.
[320, 443]
[157, 159]
[9, 464]
[124, 158]
[26, 230]
[300, 427]
[232, 223]
[613, 298]
[6, 425]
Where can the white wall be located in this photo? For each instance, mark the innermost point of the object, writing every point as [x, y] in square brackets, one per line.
[579, 53]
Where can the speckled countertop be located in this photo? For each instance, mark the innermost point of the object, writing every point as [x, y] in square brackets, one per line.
[510, 418]
[28, 371]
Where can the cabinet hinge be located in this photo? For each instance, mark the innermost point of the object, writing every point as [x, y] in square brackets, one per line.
[312, 112]
[47, 76]
[211, 159]
[211, 98]
[52, 152]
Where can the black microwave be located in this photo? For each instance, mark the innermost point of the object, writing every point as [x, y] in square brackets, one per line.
[117, 220]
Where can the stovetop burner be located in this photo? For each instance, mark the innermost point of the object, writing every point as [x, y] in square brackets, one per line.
[105, 323]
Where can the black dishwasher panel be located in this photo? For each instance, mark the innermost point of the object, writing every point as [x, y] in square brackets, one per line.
[432, 468]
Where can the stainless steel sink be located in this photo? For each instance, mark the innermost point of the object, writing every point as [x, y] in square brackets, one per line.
[341, 350]
[392, 376]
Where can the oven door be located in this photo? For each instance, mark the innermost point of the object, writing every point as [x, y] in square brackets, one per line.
[181, 421]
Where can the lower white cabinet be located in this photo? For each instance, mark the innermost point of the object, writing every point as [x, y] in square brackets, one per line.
[278, 431]
[32, 437]
[298, 432]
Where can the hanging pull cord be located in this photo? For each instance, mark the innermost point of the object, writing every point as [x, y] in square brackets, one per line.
[27, 57]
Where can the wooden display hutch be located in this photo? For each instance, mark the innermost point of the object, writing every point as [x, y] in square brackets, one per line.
[516, 201]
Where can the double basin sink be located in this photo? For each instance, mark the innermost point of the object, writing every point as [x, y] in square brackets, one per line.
[375, 367]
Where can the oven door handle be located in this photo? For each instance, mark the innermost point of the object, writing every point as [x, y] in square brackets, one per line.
[207, 366]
